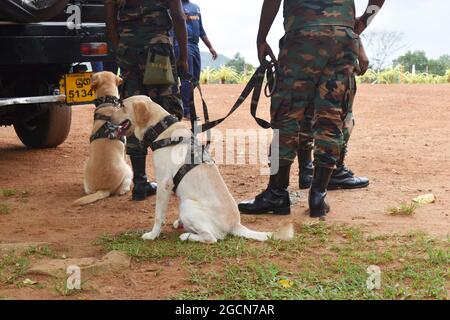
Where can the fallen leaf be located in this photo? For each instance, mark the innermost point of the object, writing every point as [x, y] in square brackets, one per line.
[28, 282]
[285, 283]
[425, 199]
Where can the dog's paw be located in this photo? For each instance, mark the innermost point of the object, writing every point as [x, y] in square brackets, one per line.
[185, 236]
[149, 236]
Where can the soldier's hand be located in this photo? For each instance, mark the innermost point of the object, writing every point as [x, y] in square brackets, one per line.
[265, 50]
[363, 62]
[360, 26]
[213, 53]
[183, 66]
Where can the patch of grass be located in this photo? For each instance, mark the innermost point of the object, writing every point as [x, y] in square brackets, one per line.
[170, 246]
[4, 207]
[404, 209]
[44, 251]
[12, 267]
[322, 262]
[62, 289]
[8, 192]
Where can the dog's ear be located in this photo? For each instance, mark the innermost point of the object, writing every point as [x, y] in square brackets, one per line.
[141, 113]
[95, 81]
[119, 80]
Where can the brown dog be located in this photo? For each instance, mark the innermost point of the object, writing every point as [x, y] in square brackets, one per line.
[106, 172]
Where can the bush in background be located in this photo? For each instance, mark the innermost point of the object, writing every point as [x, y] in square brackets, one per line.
[398, 76]
[395, 75]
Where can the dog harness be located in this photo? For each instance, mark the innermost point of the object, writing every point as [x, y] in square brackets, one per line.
[196, 155]
[107, 130]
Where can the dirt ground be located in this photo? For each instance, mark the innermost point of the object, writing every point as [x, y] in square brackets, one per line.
[401, 142]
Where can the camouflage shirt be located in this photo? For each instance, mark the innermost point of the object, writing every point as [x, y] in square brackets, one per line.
[304, 13]
[144, 19]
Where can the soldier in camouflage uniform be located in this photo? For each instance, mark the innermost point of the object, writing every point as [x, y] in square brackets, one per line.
[136, 28]
[342, 177]
[317, 59]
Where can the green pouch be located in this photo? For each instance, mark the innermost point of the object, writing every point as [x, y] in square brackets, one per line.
[158, 70]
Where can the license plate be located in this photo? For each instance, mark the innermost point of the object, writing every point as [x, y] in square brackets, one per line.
[77, 87]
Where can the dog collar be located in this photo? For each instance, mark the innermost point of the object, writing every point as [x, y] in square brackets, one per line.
[108, 100]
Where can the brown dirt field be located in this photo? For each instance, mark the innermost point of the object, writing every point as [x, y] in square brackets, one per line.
[401, 142]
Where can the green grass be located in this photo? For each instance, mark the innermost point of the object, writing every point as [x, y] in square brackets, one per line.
[13, 266]
[322, 262]
[404, 209]
[8, 192]
[60, 286]
[4, 207]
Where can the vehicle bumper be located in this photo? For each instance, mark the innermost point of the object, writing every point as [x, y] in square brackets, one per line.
[32, 100]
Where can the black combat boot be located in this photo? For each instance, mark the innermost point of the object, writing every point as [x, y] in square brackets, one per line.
[343, 178]
[275, 199]
[305, 168]
[317, 205]
[141, 187]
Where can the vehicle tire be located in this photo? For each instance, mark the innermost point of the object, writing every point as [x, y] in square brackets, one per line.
[46, 130]
[20, 11]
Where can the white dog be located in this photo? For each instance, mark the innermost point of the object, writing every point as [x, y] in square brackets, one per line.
[208, 211]
[106, 171]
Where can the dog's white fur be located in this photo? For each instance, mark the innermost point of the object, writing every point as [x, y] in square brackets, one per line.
[208, 211]
[106, 171]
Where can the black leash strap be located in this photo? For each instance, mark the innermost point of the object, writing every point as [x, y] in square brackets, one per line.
[193, 113]
[255, 84]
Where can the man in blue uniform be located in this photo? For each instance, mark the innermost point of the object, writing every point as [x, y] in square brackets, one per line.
[195, 32]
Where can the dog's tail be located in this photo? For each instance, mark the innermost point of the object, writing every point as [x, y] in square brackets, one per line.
[90, 198]
[285, 233]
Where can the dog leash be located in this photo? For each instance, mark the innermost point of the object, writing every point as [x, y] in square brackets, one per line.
[268, 69]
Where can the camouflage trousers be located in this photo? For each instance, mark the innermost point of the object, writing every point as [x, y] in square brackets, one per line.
[315, 68]
[306, 137]
[132, 59]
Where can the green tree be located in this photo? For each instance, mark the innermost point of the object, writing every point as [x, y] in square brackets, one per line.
[417, 58]
[239, 64]
[439, 66]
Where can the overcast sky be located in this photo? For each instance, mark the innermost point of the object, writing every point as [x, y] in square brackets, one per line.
[232, 25]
